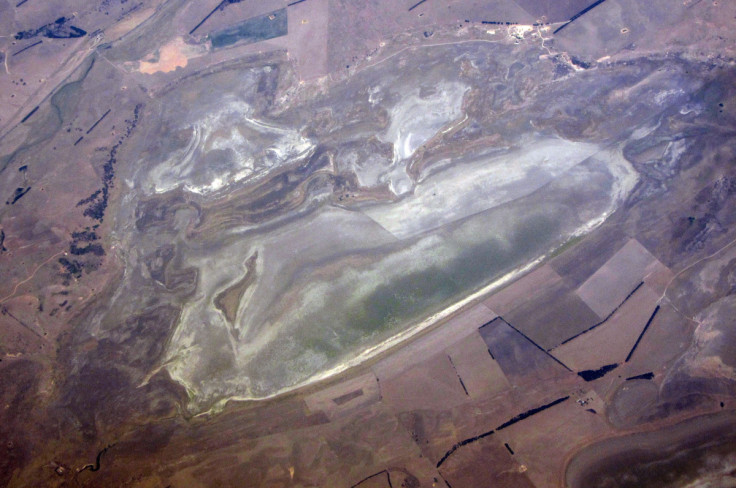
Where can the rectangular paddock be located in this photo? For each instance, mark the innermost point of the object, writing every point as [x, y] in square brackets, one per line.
[434, 341]
[612, 341]
[613, 281]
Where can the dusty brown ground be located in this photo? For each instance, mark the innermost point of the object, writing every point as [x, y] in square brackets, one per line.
[462, 405]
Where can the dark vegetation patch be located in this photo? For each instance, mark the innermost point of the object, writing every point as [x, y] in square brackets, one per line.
[220, 6]
[89, 199]
[517, 356]
[631, 293]
[537, 346]
[343, 399]
[84, 245]
[27, 47]
[636, 344]
[96, 466]
[59, 29]
[506, 22]
[98, 121]
[462, 383]
[266, 26]
[577, 15]
[579, 62]
[94, 249]
[531, 412]
[514, 420]
[97, 202]
[497, 22]
[373, 476]
[73, 268]
[594, 374]
[35, 109]
[86, 235]
[17, 195]
[461, 444]
[645, 376]
[416, 5]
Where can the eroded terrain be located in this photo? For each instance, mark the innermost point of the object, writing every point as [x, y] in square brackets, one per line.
[333, 244]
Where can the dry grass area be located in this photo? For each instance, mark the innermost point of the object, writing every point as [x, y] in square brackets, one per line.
[308, 38]
[455, 329]
[344, 397]
[523, 290]
[480, 373]
[522, 361]
[560, 430]
[610, 342]
[431, 382]
[554, 315]
[610, 285]
[486, 460]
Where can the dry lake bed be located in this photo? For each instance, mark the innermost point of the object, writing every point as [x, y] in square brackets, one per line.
[367, 244]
